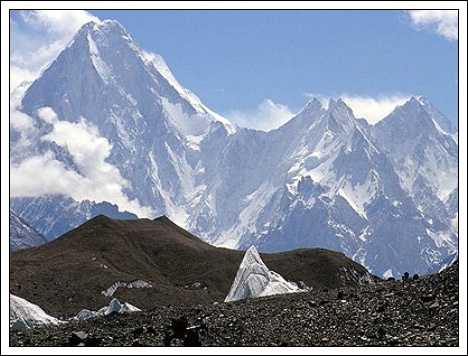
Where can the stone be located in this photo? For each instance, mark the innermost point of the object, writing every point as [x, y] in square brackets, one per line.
[77, 337]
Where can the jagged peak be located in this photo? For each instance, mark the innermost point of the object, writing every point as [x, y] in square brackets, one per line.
[94, 48]
[103, 25]
[415, 102]
[314, 105]
[340, 117]
[338, 105]
[107, 33]
[426, 111]
[315, 102]
[421, 98]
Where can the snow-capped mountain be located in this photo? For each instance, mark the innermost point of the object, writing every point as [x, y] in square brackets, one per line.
[103, 86]
[22, 235]
[113, 124]
[254, 279]
[450, 260]
[26, 315]
[324, 179]
[56, 215]
[425, 163]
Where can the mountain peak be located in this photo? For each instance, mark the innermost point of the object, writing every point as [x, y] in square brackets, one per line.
[313, 105]
[104, 25]
[418, 100]
[340, 116]
[102, 32]
[338, 104]
[419, 109]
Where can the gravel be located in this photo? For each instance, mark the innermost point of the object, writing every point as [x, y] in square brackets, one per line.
[415, 312]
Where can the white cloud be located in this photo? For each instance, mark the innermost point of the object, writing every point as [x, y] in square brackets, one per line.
[48, 115]
[58, 22]
[20, 122]
[267, 116]
[373, 109]
[19, 75]
[42, 175]
[37, 39]
[443, 22]
[97, 179]
[322, 98]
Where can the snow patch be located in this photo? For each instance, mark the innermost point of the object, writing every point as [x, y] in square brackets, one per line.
[187, 125]
[454, 223]
[254, 279]
[101, 67]
[441, 238]
[139, 283]
[355, 202]
[158, 62]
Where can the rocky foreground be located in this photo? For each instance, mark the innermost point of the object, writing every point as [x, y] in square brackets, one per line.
[416, 312]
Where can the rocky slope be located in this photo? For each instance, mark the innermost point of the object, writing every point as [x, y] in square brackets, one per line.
[415, 312]
[79, 269]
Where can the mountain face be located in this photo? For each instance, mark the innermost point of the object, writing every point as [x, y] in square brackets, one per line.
[22, 235]
[103, 86]
[386, 194]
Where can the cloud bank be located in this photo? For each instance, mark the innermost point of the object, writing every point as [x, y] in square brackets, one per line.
[442, 22]
[38, 38]
[371, 108]
[267, 116]
[93, 178]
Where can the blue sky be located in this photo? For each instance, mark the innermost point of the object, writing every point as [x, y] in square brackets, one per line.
[260, 67]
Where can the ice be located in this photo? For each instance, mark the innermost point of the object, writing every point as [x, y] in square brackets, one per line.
[26, 315]
[254, 279]
[139, 283]
[115, 306]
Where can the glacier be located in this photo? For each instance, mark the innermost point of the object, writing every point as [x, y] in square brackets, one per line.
[254, 280]
[386, 194]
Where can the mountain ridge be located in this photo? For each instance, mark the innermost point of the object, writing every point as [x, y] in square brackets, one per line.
[22, 235]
